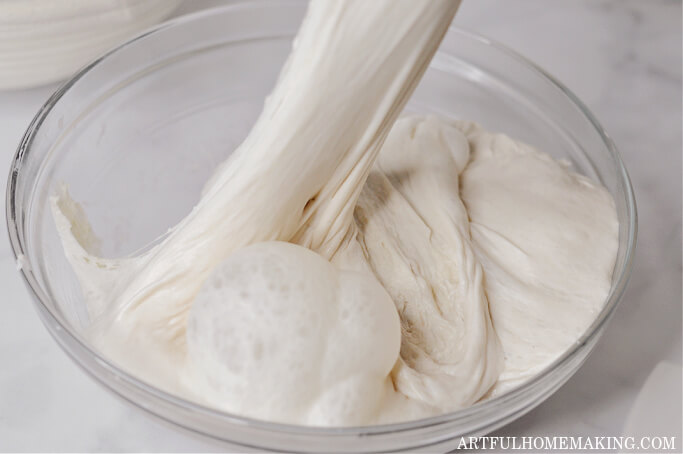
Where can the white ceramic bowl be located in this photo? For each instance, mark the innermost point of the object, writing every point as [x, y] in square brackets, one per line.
[43, 41]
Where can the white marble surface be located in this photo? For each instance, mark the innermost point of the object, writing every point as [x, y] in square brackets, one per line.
[622, 57]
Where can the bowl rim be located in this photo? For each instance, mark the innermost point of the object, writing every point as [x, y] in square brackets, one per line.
[53, 319]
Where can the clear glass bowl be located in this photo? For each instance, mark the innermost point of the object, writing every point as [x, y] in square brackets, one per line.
[136, 134]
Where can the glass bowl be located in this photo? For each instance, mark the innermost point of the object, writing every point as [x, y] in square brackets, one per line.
[136, 134]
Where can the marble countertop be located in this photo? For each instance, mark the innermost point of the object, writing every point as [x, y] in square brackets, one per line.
[621, 57]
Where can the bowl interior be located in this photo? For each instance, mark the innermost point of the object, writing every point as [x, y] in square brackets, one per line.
[137, 135]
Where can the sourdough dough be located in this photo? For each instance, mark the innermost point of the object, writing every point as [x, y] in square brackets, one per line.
[320, 281]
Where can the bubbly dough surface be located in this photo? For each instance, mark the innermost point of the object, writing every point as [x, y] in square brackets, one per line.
[344, 268]
[276, 332]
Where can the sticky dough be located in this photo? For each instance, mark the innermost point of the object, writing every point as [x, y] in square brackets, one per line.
[276, 332]
[320, 281]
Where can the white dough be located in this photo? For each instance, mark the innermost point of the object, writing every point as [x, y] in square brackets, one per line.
[415, 232]
[319, 281]
[278, 332]
[547, 239]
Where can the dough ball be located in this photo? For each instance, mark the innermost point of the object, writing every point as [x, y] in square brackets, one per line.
[277, 331]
